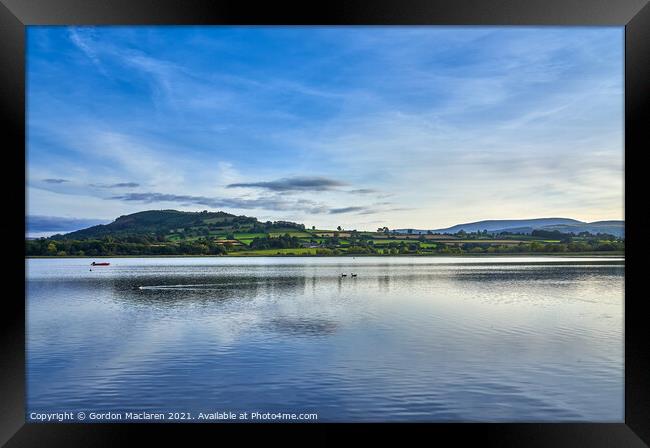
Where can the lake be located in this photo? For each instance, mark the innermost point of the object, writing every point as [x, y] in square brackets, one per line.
[434, 339]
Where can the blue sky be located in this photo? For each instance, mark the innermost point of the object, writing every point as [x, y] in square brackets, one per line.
[355, 126]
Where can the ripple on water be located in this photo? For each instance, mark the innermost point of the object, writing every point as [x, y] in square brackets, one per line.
[406, 340]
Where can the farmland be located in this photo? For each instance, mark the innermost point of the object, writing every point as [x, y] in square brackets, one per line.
[169, 232]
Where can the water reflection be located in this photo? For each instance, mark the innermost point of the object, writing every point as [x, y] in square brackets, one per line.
[302, 326]
[205, 291]
[404, 340]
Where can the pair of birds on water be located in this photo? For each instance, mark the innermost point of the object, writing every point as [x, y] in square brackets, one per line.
[345, 275]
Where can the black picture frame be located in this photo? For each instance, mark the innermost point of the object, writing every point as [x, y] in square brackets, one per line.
[15, 15]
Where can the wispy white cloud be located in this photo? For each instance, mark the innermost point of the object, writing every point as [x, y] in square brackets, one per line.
[82, 39]
[451, 124]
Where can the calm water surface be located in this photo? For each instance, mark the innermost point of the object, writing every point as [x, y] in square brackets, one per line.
[408, 339]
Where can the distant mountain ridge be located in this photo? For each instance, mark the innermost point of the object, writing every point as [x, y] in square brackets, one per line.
[526, 226]
[169, 222]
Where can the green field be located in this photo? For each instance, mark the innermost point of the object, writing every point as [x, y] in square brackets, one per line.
[170, 232]
[268, 252]
[379, 242]
[249, 236]
[291, 233]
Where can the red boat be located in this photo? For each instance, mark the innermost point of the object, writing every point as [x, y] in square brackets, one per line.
[100, 264]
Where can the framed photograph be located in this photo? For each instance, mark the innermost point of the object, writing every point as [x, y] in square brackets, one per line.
[361, 218]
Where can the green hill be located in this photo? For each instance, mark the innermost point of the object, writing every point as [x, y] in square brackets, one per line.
[174, 224]
[173, 233]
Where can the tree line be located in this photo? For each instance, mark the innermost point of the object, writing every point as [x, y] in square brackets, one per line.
[109, 246]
